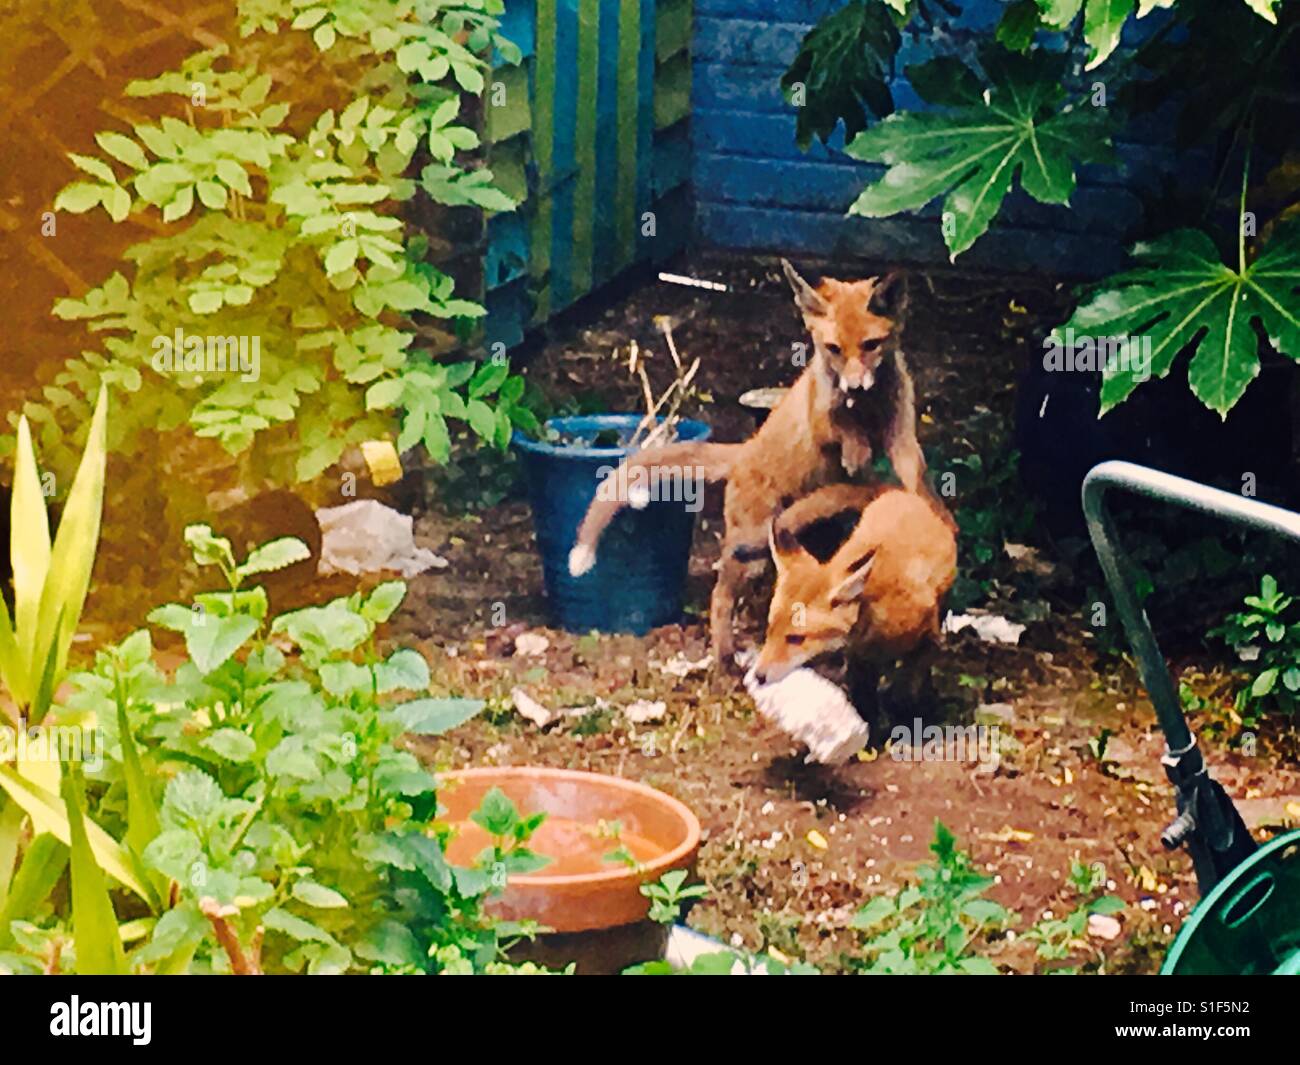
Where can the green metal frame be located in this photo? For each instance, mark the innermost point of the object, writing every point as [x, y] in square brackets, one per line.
[1207, 823]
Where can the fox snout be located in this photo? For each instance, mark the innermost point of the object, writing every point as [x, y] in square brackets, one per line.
[856, 377]
[768, 671]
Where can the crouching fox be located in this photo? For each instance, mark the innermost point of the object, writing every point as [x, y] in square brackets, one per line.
[877, 598]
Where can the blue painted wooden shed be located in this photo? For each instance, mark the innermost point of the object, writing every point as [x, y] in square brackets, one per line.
[637, 127]
[590, 134]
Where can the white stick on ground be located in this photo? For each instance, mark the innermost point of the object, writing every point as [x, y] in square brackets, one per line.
[813, 711]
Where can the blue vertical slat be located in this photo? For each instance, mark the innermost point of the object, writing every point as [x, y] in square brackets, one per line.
[605, 246]
[645, 124]
[566, 110]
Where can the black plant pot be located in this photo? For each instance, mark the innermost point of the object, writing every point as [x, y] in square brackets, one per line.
[1162, 424]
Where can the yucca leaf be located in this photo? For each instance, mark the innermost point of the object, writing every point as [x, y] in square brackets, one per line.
[43, 863]
[94, 924]
[142, 820]
[29, 555]
[13, 671]
[73, 555]
[48, 815]
[43, 695]
[11, 827]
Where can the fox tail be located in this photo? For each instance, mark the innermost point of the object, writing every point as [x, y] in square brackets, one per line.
[711, 462]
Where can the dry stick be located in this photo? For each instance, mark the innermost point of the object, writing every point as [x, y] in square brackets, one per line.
[677, 391]
[655, 430]
[686, 721]
[241, 964]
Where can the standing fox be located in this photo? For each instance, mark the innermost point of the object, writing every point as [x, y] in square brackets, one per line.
[854, 398]
[878, 596]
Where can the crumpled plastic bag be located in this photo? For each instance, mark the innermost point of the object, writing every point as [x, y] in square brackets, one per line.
[365, 536]
[991, 628]
[813, 711]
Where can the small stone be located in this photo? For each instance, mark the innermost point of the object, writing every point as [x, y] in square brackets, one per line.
[1103, 926]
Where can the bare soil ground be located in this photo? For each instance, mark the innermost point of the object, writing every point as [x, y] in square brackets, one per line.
[1048, 801]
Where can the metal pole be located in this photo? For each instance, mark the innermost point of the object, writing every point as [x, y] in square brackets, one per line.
[1207, 821]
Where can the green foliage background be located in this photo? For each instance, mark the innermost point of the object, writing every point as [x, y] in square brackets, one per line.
[279, 176]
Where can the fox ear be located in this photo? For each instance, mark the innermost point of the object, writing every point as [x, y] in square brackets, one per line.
[783, 543]
[851, 587]
[888, 295]
[804, 294]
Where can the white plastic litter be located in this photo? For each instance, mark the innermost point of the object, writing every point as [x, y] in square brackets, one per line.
[681, 666]
[643, 711]
[529, 644]
[365, 536]
[813, 711]
[541, 716]
[991, 628]
[530, 708]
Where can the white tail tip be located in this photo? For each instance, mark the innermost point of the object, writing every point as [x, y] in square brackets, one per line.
[581, 559]
[638, 496]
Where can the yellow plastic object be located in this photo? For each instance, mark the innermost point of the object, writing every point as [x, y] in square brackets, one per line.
[381, 458]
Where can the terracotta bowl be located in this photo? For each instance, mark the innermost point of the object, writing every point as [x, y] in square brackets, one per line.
[580, 902]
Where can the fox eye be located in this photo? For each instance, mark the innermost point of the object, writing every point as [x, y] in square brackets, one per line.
[872, 343]
[796, 640]
[834, 349]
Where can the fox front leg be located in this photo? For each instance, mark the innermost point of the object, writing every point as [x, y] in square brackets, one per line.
[731, 571]
[906, 457]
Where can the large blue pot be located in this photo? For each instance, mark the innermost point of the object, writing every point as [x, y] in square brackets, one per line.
[642, 559]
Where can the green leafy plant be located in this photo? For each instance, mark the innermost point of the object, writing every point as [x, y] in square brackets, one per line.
[508, 854]
[667, 896]
[842, 68]
[981, 485]
[1182, 295]
[1057, 938]
[1270, 627]
[259, 802]
[289, 187]
[669, 893]
[50, 586]
[930, 927]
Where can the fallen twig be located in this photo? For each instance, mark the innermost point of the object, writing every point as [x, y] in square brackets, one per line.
[241, 963]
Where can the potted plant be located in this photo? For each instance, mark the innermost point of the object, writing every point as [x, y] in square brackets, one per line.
[640, 571]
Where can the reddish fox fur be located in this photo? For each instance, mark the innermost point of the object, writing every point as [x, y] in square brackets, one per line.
[878, 596]
[854, 398]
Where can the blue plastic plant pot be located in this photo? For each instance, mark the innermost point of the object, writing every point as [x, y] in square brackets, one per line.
[642, 559]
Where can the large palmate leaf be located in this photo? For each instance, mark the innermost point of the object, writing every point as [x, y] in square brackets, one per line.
[842, 69]
[971, 153]
[1181, 294]
[1103, 20]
